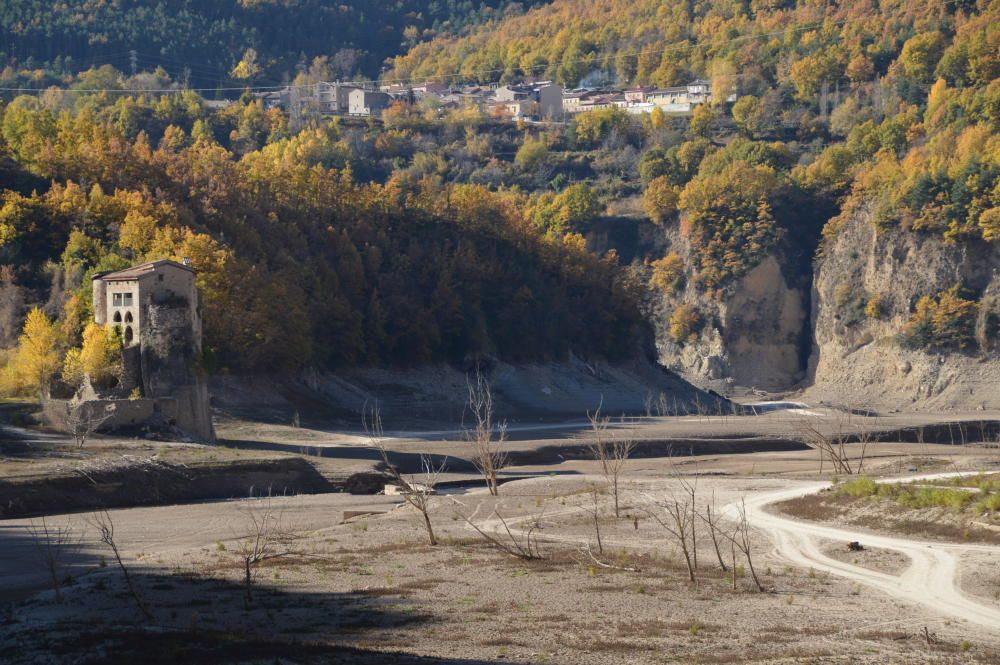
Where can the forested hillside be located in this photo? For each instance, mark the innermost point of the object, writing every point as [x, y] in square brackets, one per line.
[436, 233]
[299, 262]
[201, 41]
[750, 45]
[886, 113]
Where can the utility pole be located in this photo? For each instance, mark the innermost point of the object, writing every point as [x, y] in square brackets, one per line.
[133, 60]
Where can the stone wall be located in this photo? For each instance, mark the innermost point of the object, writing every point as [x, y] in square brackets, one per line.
[126, 413]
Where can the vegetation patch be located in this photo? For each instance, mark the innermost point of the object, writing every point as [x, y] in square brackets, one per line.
[947, 320]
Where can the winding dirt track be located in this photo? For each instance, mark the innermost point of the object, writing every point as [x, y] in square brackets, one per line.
[929, 581]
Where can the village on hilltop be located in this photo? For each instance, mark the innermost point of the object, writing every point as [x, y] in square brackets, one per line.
[537, 100]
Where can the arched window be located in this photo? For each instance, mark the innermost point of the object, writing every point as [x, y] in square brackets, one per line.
[128, 336]
[128, 317]
[117, 317]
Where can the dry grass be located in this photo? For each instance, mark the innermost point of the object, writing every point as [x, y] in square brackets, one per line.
[660, 628]
[872, 513]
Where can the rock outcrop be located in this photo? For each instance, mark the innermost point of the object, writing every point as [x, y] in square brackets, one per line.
[866, 285]
[754, 335]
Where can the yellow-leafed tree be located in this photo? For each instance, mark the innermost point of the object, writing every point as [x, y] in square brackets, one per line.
[38, 355]
[99, 357]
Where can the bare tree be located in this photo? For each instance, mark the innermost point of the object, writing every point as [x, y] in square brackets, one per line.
[54, 545]
[833, 446]
[487, 437]
[265, 540]
[610, 451]
[106, 531]
[522, 544]
[676, 521]
[418, 492]
[596, 512]
[710, 518]
[83, 420]
[742, 540]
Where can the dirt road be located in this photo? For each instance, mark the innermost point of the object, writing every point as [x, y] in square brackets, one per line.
[930, 579]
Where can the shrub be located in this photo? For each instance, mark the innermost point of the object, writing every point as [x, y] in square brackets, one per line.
[858, 487]
[668, 273]
[685, 323]
[949, 321]
[851, 303]
[875, 308]
[919, 497]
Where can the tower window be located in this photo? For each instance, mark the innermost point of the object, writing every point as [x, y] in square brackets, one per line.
[116, 299]
[128, 336]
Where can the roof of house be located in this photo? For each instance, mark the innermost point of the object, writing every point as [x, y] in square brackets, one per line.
[140, 271]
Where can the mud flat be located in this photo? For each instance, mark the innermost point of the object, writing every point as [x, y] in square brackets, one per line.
[370, 589]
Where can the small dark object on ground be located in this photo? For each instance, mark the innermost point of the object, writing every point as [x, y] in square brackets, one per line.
[855, 546]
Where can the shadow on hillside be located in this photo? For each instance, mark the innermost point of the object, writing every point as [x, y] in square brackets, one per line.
[202, 618]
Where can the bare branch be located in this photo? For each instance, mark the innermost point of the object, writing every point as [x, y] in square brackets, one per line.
[603, 564]
[265, 540]
[419, 493]
[105, 526]
[523, 545]
[486, 436]
[54, 545]
[612, 452]
[83, 420]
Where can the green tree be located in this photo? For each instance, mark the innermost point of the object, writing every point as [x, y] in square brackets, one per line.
[920, 55]
[532, 154]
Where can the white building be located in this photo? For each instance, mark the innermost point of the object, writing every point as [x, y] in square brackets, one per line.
[367, 102]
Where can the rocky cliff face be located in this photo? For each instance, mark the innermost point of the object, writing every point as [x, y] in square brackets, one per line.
[865, 289]
[754, 333]
[831, 326]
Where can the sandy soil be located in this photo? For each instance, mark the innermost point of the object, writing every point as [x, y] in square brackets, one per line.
[358, 583]
[872, 558]
[372, 583]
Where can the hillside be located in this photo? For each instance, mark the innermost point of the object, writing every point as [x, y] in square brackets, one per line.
[439, 232]
[862, 145]
[299, 264]
[201, 42]
[652, 42]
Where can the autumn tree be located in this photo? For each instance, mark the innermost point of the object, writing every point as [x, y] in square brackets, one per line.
[660, 199]
[685, 323]
[668, 273]
[729, 221]
[99, 357]
[531, 155]
[38, 356]
[920, 55]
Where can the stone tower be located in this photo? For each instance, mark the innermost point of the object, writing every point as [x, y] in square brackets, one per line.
[156, 309]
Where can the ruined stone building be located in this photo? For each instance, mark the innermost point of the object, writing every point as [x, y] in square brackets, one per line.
[156, 309]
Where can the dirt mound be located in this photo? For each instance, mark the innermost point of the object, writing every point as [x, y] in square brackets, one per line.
[147, 482]
[439, 392]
